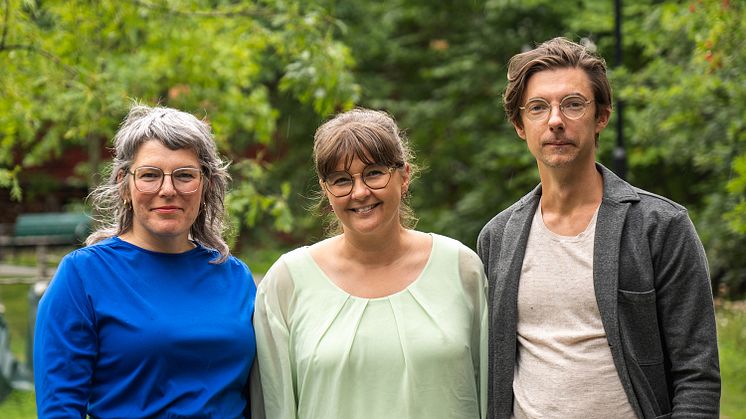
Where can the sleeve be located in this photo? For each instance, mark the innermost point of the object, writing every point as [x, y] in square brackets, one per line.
[255, 394]
[686, 310]
[65, 346]
[475, 284]
[273, 348]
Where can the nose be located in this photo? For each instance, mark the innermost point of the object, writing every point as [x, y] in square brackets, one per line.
[555, 118]
[167, 187]
[359, 188]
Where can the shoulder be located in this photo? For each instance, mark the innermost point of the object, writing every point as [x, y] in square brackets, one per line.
[657, 204]
[662, 221]
[233, 262]
[278, 278]
[617, 190]
[650, 210]
[645, 209]
[469, 270]
[493, 230]
[455, 246]
[91, 254]
[236, 269]
[469, 263]
[79, 271]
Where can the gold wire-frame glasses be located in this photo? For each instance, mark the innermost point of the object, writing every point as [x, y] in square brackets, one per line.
[149, 179]
[572, 107]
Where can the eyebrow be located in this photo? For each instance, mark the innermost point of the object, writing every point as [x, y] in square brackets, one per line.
[189, 166]
[563, 97]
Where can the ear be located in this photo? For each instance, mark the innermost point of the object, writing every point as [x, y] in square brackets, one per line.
[519, 129]
[323, 189]
[604, 115]
[406, 176]
[123, 187]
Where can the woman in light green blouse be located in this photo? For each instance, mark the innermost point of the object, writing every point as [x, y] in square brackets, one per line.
[379, 320]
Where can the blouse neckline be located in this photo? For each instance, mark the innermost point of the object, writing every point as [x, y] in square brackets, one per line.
[420, 277]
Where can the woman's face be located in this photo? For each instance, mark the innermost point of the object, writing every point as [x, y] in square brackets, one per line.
[162, 219]
[366, 210]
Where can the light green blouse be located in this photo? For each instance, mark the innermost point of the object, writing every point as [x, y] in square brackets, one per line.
[419, 353]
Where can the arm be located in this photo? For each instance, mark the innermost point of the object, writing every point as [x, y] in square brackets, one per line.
[687, 316]
[255, 396]
[475, 284]
[273, 351]
[64, 346]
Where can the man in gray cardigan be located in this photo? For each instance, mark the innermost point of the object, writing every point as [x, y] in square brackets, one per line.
[600, 296]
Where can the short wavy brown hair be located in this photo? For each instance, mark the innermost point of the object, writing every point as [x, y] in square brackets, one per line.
[554, 54]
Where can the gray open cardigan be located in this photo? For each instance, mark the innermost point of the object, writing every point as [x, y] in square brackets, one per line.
[653, 290]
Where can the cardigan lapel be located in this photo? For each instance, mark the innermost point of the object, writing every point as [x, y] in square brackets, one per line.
[504, 326]
[612, 214]
[512, 251]
[606, 264]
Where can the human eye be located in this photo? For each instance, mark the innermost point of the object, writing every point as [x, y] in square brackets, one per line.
[375, 171]
[574, 103]
[339, 179]
[148, 174]
[185, 175]
[537, 107]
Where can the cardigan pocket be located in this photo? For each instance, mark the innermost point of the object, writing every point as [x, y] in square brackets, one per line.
[638, 324]
[650, 386]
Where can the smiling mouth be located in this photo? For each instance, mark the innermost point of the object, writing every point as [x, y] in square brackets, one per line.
[365, 209]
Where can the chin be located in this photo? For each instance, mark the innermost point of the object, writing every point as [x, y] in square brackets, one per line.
[558, 162]
[169, 230]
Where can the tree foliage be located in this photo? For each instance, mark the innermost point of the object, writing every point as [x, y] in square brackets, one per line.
[71, 69]
[687, 101]
[439, 67]
[266, 73]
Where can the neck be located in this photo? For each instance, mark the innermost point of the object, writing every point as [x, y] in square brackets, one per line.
[374, 249]
[161, 244]
[566, 189]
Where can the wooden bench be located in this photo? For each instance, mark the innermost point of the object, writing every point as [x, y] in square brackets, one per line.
[42, 230]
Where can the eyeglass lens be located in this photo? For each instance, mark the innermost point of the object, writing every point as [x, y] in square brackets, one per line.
[150, 179]
[374, 176]
[572, 107]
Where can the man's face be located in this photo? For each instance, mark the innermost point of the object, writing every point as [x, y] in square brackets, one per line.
[557, 140]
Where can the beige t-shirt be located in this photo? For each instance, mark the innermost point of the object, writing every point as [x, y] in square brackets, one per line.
[564, 367]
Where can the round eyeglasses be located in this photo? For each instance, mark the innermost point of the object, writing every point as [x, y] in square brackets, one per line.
[572, 107]
[149, 179]
[374, 176]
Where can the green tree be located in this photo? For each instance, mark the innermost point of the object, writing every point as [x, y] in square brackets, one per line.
[70, 70]
[687, 102]
[439, 68]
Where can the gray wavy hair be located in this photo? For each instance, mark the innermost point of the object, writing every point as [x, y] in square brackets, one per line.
[176, 130]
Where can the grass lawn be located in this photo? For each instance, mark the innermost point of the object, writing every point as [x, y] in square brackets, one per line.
[731, 318]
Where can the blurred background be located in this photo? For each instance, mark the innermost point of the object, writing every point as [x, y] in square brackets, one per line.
[266, 73]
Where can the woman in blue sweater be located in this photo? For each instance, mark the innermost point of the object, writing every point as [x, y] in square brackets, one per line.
[153, 317]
